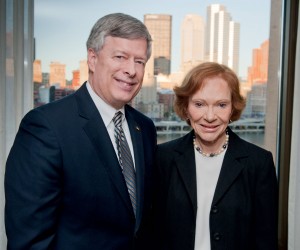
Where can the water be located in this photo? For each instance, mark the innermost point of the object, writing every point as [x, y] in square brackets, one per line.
[253, 137]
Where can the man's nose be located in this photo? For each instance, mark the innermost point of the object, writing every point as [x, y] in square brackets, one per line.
[129, 68]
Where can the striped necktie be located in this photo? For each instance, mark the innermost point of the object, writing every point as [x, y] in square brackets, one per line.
[125, 158]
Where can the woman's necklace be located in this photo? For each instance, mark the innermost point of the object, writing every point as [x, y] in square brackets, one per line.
[224, 146]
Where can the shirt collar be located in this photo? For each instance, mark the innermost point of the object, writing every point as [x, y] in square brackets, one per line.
[106, 111]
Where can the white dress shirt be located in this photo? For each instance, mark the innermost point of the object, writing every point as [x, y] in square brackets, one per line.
[107, 113]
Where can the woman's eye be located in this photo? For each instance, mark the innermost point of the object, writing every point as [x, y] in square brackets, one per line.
[223, 105]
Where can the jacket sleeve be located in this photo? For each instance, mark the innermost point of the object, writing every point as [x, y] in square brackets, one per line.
[32, 185]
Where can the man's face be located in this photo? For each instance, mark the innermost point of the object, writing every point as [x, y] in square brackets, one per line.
[118, 69]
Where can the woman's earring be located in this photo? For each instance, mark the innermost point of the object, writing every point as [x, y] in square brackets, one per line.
[230, 121]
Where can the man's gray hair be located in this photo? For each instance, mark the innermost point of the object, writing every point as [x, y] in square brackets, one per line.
[118, 25]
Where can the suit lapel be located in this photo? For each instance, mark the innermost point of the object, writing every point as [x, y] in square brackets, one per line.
[96, 131]
[231, 166]
[185, 163]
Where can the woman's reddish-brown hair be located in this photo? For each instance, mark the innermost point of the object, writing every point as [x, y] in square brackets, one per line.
[194, 80]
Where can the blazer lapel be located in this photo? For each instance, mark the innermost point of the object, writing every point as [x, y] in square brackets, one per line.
[97, 133]
[185, 162]
[231, 166]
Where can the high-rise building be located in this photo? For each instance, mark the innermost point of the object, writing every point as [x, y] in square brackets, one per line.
[192, 41]
[76, 79]
[222, 37]
[160, 28]
[45, 78]
[84, 71]
[57, 74]
[258, 72]
[167, 97]
[37, 71]
[256, 100]
[234, 46]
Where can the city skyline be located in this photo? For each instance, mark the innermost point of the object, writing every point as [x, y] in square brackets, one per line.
[60, 37]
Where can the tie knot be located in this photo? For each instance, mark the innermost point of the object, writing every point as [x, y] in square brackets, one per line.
[118, 119]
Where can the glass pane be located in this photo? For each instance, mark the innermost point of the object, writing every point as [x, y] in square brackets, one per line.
[235, 33]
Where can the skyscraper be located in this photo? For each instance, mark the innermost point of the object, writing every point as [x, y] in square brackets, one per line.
[258, 71]
[222, 37]
[57, 74]
[192, 41]
[76, 79]
[234, 46]
[37, 71]
[84, 71]
[159, 27]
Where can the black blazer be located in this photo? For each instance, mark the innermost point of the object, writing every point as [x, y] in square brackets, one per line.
[244, 209]
[63, 184]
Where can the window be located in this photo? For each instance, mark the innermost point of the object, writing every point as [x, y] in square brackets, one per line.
[280, 37]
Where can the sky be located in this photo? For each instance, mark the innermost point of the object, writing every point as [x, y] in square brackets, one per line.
[61, 27]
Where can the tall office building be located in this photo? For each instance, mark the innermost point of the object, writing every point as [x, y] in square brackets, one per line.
[192, 41]
[45, 78]
[258, 72]
[222, 37]
[84, 71]
[256, 101]
[57, 74]
[76, 79]
[37, 71]
[160, 28]
[234, 46]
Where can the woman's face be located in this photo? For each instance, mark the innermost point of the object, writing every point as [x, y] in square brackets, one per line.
[209, 111]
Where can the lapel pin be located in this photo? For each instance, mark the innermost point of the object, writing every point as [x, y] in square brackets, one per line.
[137, 128]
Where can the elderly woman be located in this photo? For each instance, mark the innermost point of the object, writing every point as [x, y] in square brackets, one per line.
[215, 190]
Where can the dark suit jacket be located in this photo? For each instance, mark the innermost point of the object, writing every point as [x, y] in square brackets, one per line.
[244, 209]
[63, 184]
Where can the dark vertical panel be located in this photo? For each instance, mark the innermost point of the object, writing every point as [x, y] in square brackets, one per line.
[290, 22]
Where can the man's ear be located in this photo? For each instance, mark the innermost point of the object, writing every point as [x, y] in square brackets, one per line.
[91, 59]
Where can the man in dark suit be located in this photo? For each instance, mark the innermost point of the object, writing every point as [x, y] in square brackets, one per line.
[64, 180]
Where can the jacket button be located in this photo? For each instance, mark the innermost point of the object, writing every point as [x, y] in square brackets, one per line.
[217, 236]
[214, 209]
